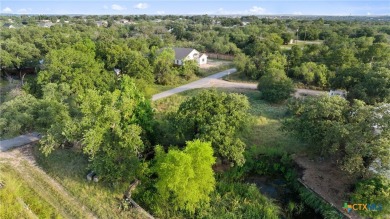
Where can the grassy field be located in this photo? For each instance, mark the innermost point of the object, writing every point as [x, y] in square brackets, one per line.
[216, 66]
[19, 200]
[236, 77]
[301, 43]
[70, 168]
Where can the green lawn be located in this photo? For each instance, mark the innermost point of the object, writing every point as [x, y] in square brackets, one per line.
[301, 43]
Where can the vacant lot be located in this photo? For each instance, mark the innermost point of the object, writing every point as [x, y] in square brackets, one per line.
[213, 63]
[70, 169]
[264, 133]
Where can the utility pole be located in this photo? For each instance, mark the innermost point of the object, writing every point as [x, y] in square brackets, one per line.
[296, 42]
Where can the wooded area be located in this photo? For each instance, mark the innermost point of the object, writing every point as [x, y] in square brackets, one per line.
[90, 91]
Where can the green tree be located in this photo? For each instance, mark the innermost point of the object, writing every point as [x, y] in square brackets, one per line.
[318, 121]
[164, 71]
[370, 85]
[311, 73]
[246, 67]
[367, 145]
[294, 57]
[275, 86]
[78, 68]
[18, 55]
[218, 118]
[358, 133]
[287, 36]
[189, 69]
[377, 53]
[17, 115]
[185, 178]
[112, 127]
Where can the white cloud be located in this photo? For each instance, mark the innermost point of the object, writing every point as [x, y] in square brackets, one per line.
[160, 12]
[368, 13]
[253, 10]
[297, 13]
[257, 10]
[221, 11]
[141, 6]
[24, 10]
[117, 7]
[7, 10]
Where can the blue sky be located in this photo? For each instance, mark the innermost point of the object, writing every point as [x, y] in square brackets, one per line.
[269, 7]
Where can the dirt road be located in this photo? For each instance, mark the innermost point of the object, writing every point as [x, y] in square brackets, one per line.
[201, 83]
[216, 81]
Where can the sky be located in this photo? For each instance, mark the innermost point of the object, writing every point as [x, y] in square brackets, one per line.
[213, 7]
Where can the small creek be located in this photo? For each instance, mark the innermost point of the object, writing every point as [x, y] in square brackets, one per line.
[278, 189]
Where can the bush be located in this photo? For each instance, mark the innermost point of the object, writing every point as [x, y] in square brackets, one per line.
[373, 191]
[275, 86]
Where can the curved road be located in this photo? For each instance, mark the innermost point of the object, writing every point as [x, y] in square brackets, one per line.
[216, 81]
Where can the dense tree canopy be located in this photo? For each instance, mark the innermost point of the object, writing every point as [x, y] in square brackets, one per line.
[358, 133]
[76, 67]
[217, 117]
[311, 73]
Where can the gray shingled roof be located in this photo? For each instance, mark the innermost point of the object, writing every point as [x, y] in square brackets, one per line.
[181, 53]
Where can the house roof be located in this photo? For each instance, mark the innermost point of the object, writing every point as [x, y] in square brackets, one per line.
[181, 53]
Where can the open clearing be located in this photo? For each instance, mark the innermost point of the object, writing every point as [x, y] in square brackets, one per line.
[214, 63]
[325, 178]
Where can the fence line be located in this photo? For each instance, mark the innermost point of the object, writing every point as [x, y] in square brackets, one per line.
[140, 209]
[219, 56]
[323, 199]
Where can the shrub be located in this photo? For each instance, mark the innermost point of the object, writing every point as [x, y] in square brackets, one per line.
[275, 86]
[373, 191]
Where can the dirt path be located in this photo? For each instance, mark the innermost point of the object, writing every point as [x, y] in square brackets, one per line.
[216, 81]
[18, 141]
[201, 83]
[23, 162]
[325, 178]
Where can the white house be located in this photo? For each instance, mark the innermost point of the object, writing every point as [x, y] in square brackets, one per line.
[340, 93]
[45, 23]
[8, 25]
[183, 54]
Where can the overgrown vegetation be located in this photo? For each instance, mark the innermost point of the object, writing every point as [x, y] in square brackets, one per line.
[374, 192]
[19, 200]
[359, 133]
[92, 84]
[70, 168]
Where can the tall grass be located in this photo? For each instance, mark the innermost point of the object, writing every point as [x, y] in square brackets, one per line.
[19, 200]
[70, 168]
